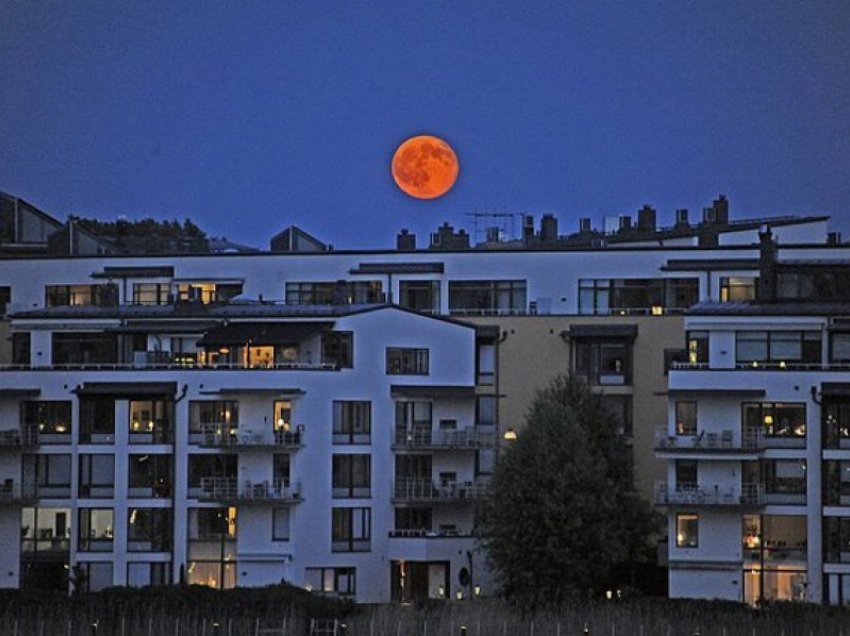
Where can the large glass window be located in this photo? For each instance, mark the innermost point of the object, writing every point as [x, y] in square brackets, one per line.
[280, 524]
[151, 293]
[46, 530]
[636, 295]
[619, 409]
[21, 348]
[208, 292]
[96, 527]
[149, 530]
[402, 361]
[150, 421]
[839, 347]
[97, 476]
[776, 419]
[52, 420]
[150, 475]
[836, 424]
[352, 422]
[78, 348]
[604, 360]
[836, 478]
[97, 420]
[352, 475]
[351, 529]
[213, 417]
[836, 532]
[686, 474]
[338, 349]
[333, 581]
[737, 289]
[420, 295]
[105, 295]
[784, 477]
[782, 347]
[334, 293]
[487, 297]
[53, 475]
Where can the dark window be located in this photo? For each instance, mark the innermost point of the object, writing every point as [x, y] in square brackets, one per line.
[352, 475]
[149, 530]
[84, 348]
[487, 297]
[97, 476]
[213, 416]
[836, 533]
[784, 476]
[686, 474]
[697, 347]
[839, 347]
[352, 422]
[105, 295]
[619, 408]
[836, 485]
[351, 529]
[151, 293]
[53, 475]
[334, 581]
[402, 361]
[334, 293]
[413, 519]
[836, 423]
[5, 298]
[338, 349]
[150, 475]
[204, 466]
[604, 360]
[97, 420]
[21, 347]
[783, 347]
[420, 295]
[636, 295]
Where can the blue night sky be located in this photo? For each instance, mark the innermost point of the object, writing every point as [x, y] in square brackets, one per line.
[250, 116]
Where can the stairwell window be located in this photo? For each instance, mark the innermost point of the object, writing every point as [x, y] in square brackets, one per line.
[407, 361]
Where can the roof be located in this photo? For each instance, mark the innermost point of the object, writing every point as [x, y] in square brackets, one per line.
[262, 333]
[705, 264]
[732, 393]
[399, 268]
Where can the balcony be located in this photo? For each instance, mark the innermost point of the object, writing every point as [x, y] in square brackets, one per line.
[414, 490]
[188, 365]
[15, 493]
[228, 490]
[23, 437]
[226, 437]
[748, 495]
[431, 534]
[752, 440]
[464, 439]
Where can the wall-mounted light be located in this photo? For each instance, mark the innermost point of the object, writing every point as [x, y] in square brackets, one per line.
[510, 435]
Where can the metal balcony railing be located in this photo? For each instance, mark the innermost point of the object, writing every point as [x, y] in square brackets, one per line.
[226, 436]
[695, 495]
[25, 436]
[468, 438]
[427, 490]
[230, 490]
[751, 439]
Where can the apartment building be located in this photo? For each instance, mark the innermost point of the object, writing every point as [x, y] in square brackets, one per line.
[329, 417]
[757, 441]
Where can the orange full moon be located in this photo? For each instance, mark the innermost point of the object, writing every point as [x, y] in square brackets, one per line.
[425, 167]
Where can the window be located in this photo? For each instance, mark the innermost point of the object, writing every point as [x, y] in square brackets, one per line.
[280, 470]
[280, 524]
[45, 529]
[150, 293]
[334, 293]
[839, 347]
[485, 410]
[697, 347]
[636, 295]
[414, 417]
[687, 530]
[51, 419]
[96, 575]
[150, 421]
[150, 475]
[604, 360]
[487, 297]
[149, 530]
[97, 420]
[204, 466]
[413, 519]
[420, 295]
[836, 532]
[352, 422]
[5, 298]
[142, 574]
[351, 475]
[817, 283]
[619, 408]
[784, 476]
[21, 347]
[407, 361]
[836, 423]
[84, 348]
[737, 289]
[779, 419]
[686, 474]
[486, 364]
[105, 295]
[338, 349]
[53, 475]
[97, 476]
[96, 527]
[339, 581]
[836, 477]
[213, 417]
[208, 292]
[686, 418]
[777, 346]
[351, 529]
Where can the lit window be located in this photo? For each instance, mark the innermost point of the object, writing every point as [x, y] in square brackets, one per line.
[687, 531]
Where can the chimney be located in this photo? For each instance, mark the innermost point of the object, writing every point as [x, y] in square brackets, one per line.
[682, 218]
[405, 241]
[833, 238]
[721, 210]
[584, 224]
[767, 266]
[492, 234]
[625, 222]
[527, 229]
[646, 219]
[548, 229]
[709, 216]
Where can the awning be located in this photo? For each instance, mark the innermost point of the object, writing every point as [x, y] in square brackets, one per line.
[398, 268]
[487, 331]
[443, 391]
[13, 393]
[602, 331]
[166, 271]
[127, 389]
[730, 393]
[166, 326]
[262, 333]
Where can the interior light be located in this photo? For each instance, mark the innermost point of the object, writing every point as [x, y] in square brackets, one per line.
[459, 595]
[768, 419]
[510, 435]
[657, 310]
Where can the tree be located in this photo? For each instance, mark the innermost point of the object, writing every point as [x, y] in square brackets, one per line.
[564, 515]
